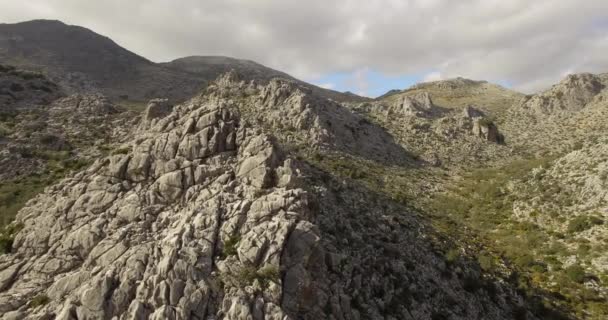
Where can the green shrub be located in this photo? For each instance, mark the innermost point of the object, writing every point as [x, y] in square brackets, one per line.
[39, 300]
[230, 246]
[247, 275]
[486, 262]
[582, 223]
[452, 255]
[7, 236]
[576, 273]
[125, 150]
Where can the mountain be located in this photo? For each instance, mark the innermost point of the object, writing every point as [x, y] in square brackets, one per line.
[207, 214]
[461, 92]
[211, 67]
[83, 61]
[258, 196]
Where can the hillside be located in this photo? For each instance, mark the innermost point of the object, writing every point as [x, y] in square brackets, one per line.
[460, 92]
[211, 67]
[209, 208]
[244, 193]
[83, 61]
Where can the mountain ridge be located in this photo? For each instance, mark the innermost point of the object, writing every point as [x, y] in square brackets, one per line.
[80, 59]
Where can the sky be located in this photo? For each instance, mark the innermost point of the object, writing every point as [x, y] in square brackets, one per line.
[366, 47]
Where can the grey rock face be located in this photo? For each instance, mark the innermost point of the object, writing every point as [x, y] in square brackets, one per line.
[571, 94]
[206, 217]
[144, 234]
[300, 117]
[419, 105]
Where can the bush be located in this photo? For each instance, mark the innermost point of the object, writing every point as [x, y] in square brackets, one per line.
[486, 262]
[39, 300]
[7, 236]
[121, 151]
[582, 223]
[230, 246]
[452, 255]
[247, 275]
[576, 273]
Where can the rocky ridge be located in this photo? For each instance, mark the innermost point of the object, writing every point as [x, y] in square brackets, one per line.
[438, 135]
[206, 215]
[559, 119]
[82, 61]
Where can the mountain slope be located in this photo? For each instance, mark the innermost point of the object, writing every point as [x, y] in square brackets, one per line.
[460, 92]
[208, 216]
[560, 118]
[83, 62]
[211, 67]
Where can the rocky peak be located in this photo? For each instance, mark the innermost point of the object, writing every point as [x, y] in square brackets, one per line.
[298, 116]
[572, 94]
[449, 84]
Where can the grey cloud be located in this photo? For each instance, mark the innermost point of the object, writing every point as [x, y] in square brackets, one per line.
[530, 44]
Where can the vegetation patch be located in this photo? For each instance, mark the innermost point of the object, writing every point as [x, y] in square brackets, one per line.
[39, 300]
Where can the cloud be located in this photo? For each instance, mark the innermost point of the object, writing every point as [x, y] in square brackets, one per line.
[327, 85]
[433, 76]
[528, 44]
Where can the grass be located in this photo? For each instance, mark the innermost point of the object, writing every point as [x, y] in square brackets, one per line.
[582, 223]
[15, 193]
[230, 246]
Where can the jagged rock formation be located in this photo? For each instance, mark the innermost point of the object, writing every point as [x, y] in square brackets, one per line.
[560, 118]
[300, 118]
[419, 105]
[438, 135]
[571, 94]
[480, 125]
[207, 217]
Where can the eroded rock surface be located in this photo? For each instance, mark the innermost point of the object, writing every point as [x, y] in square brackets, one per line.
[206, 217]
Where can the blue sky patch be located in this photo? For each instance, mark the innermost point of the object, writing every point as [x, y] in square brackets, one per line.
[366, 82]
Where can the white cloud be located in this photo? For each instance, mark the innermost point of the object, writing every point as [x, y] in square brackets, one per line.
[528, 44]
[327, 85]
[433, 76]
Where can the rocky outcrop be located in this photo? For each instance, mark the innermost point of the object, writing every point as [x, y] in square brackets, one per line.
[156, 109]
[299, 117]
[148, 233]
[570, 95]
[205, 216]
[418, 105]
[480, 125]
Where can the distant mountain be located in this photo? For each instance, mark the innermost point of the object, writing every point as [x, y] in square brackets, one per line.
[83, 61]
[210, 67]
[460, 92]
